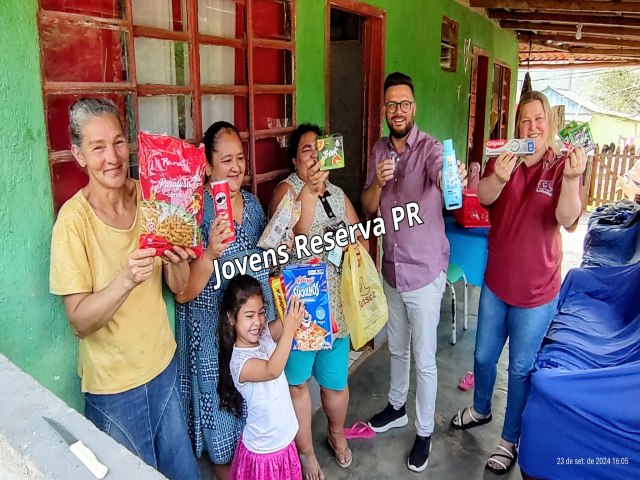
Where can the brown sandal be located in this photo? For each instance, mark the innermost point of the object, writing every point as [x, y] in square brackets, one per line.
[344, 453]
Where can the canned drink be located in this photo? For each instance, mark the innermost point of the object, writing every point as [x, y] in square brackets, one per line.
[222, 205]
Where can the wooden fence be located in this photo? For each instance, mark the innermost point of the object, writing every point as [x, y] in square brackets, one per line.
[603, 170]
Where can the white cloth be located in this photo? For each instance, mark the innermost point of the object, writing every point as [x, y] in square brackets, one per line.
[413, 323]
[271, 421]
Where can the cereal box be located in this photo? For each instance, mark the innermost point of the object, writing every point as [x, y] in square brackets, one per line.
[309, 282]
[330, 151]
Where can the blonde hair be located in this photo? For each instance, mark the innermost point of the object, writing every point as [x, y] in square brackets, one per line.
[532, 96]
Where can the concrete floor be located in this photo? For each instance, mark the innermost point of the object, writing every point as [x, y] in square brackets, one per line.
[455, 454]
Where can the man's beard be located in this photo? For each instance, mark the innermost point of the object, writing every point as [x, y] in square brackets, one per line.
[400, 133]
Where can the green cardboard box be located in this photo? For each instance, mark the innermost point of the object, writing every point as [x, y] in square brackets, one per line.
[564, 133]
[330, 151]
[580, 136]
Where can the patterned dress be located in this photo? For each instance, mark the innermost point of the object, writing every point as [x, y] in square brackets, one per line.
[212, 429]
[336, 199]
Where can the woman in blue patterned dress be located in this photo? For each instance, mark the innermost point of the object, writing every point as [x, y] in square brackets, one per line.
[213, 429]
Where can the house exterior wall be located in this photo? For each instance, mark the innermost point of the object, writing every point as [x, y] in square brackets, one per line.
[606, 129]
[412, 46]
[572, 111]
[35, 334]
[33, 330]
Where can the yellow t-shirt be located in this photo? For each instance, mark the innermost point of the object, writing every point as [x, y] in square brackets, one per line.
[137, 344]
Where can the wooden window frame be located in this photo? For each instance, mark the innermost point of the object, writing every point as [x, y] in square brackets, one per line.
[504, 99]
[193, 39]
[453, 46]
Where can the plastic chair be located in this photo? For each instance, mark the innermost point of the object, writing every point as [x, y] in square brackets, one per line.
[455, 273]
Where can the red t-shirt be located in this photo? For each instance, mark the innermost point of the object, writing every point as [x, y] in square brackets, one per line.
[525, 247]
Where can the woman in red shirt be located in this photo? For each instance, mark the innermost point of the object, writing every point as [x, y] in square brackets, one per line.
[529, 199]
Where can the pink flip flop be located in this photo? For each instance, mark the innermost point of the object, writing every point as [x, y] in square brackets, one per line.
[359, 430]
[467, 382]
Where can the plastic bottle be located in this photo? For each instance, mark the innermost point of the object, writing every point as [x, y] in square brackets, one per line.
[451, 184]
[395, 157]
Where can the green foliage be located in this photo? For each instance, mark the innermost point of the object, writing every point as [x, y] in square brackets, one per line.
[618, 90]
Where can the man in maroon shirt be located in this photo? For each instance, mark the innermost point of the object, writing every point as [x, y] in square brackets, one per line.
[406, 167]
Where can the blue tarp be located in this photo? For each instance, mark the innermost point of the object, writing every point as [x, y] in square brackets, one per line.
[613, 237]
[582, 419]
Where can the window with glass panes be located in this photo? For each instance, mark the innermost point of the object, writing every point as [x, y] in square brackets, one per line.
[499, 120]
[174, 67]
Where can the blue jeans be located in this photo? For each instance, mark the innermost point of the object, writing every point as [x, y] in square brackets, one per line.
[149, 421]
[525, 328]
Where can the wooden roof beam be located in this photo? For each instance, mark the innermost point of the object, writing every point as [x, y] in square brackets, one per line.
[550, 49]
[585, 41]
[566, 5]
[551, 66]
[538, 56]
[569, 57]
[557, 17]
[634, 33]
[614, 52]
[524, 46]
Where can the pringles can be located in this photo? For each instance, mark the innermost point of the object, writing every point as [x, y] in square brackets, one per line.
[222, 205]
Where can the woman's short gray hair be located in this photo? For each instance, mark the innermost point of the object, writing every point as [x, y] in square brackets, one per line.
[83, 110]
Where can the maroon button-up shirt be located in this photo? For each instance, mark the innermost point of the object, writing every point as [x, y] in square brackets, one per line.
[413, 257]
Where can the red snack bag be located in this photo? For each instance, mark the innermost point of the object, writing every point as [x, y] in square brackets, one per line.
[171, 178]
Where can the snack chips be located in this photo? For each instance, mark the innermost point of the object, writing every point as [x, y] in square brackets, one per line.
[171, 178]
[279, 230]
[277, 288]
[330, 151]
[309, 282]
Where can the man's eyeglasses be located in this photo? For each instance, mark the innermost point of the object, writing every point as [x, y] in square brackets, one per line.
[404, 105]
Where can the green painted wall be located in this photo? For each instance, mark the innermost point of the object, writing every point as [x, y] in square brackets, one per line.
[413, 30]
[33, 333]
[606, 129]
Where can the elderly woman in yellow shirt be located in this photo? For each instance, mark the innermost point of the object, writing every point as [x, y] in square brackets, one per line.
[112, 293]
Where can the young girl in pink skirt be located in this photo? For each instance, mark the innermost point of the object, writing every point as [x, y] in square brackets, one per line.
[251, 367]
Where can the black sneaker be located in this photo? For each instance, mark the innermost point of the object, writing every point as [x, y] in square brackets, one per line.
[388, 418]
[419, 456]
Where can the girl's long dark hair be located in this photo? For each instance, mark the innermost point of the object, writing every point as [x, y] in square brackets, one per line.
[240, 289]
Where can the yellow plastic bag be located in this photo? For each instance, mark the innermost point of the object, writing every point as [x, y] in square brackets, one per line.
[363, 300]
